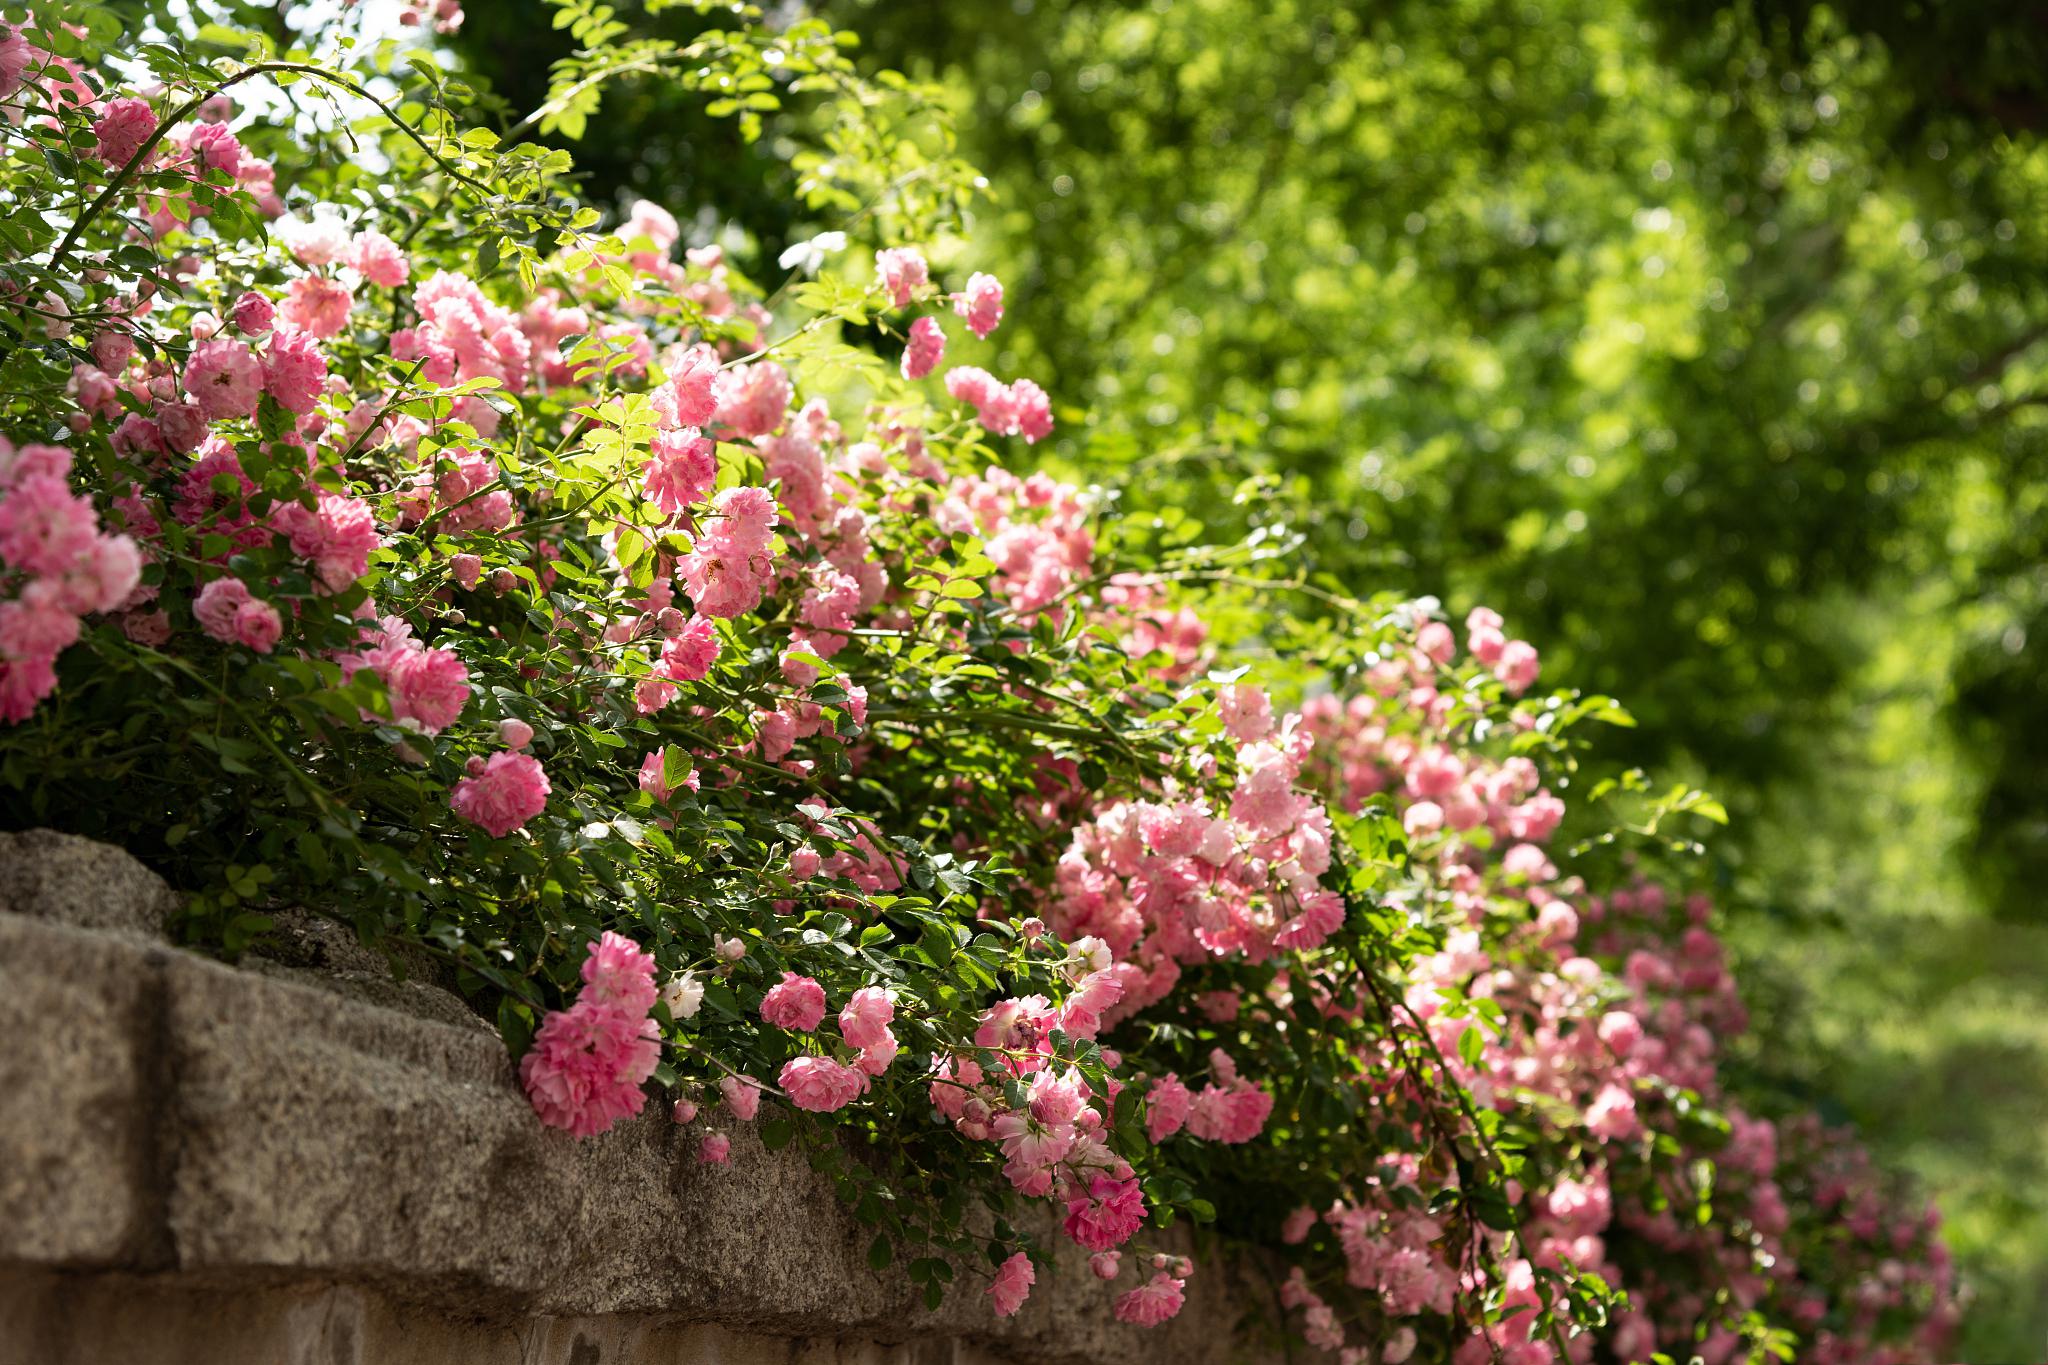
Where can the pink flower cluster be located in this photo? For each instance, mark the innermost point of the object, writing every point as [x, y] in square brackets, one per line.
[1179, 882]
[59, 566]
[1202, 897]
[729, 567]
[589, 1061]
[445, 15]
[824, 1084]
[501, 793]
[1514, 662]
[427, 687]
[1229, 1109]
[335, 536]
[1036, 529]
[462, 335]
[1606, 1009]
[466, 496]
[1019, 408]
[226, 612]
[1055, 1145]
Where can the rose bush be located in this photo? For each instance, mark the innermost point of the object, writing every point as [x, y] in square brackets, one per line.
[673, 657]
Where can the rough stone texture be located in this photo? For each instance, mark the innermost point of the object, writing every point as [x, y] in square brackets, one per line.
[61, 877]
[78, 1015]
[104, 1319]
[318, 1163]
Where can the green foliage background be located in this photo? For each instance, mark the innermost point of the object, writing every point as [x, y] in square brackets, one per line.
[1709, 343]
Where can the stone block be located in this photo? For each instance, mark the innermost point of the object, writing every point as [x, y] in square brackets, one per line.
[317, 1163]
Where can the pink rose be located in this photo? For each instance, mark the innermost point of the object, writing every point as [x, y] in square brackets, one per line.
[1012, 1285]
[795, 1002]
[925, 350]
[820, 1084]
[981, 303]
[258, 626]
[253, 313]
[216, 606]
[1151, 1303]
[502, 794]
[743, 1098]
[864, 1023]
[224, 378]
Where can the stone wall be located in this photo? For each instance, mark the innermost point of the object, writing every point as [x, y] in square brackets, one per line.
[301, 1161]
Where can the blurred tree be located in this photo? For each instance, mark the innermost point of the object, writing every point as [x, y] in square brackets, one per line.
[1985, 60]
[1650, 342]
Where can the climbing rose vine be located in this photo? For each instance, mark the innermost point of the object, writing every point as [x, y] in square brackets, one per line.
[678, 661]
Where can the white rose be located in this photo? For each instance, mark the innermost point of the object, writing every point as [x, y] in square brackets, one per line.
[684, 996]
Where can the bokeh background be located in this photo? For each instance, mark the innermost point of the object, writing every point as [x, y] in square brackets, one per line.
[1708, 342]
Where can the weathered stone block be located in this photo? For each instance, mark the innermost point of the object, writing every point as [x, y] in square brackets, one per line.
[319, 1164]
[80, 1020]
[61, 877]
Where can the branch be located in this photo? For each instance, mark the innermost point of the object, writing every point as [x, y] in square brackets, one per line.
[177, 115]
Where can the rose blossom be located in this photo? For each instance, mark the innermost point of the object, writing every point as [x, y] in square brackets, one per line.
[1151, 1303]
[216, 606]
[123, 126]
[820, 1084]
[864, 1023]
[317, 304]
[1012, 1285]
[742, 1097]
[378, 259]
[925, 349]
[294, 370]
[981, 303]
[501, 794]
[253, 314]
[1166, 1109]
[795, 1002]
[589, 1061]
[903, 271]
[224, 378]
[1108, 1215]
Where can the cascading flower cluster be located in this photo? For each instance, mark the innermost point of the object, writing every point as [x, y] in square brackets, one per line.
[1179, 880]
[589, 1062]
[60, 566]
[543, 595]
[1600, 1018]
